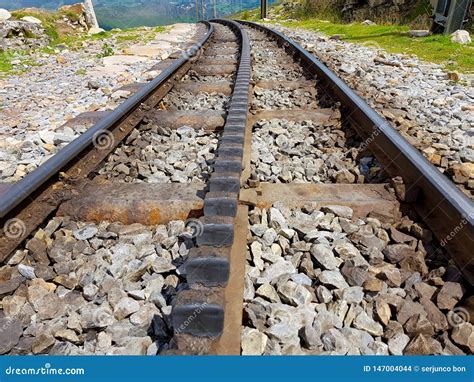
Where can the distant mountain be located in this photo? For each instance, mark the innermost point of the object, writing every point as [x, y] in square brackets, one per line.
[132, 13]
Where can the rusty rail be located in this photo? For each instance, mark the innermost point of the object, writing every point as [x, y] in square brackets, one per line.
[25, 204]
[442, 206]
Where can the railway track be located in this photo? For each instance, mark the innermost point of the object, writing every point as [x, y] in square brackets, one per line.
[246, 189]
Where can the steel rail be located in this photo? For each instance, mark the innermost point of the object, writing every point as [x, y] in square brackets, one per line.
[24, 188]
[442, 206]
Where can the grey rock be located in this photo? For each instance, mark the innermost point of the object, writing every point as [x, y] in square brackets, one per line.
[328, 320]
[354, 275]
[334, 340]
[353, 295]
[125, 307]
[397, 344]
[42, 343]
[278, 269]
[282, 332]
[90, 291]
[449, 295]
[268, 292]
[366, 323]
[323, 294]
[333, 278]
[418, 33]
[85, 233]
[342, 211]
[323, 254]
[11, 330]
[294, 294]
[253, 342]
[311, 336]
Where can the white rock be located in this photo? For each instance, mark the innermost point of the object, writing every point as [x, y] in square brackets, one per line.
[4, 15]
[253, 342]
[324, 294]
[364, 322]
[283, 332]
[31, 19]
[268, 291]
[278, 269]
[125, 307]
[301, 279]
[95, 30]
[89, 291]
[294, 294]
[333, 278]
[419, 33]
[353, 295]
[397, 343]
[323, 254]
[120, 94]
[461, 37]
[277, 220]
[26, 271]
[342, 211]
[85, 233]
[335, 341]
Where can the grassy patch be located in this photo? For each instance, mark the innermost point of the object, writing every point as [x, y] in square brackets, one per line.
[436, 48]
[8, 58]
[48, 21]
[249, 15]
[6, 62]
[123, 38]
[159, 29]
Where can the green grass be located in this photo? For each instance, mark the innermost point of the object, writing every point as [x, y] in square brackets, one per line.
[124, 38]
[6, 59]
[6, 62]
[159, 29]
[436, 48]
[392, 38]
[48, 21]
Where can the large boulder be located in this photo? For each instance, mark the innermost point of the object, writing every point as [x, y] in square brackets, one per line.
[19, 34]
[95, 30]
[461, 37]
[4, 15]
